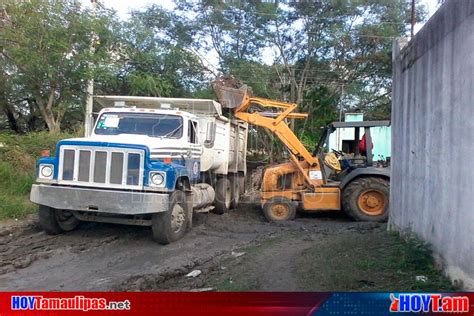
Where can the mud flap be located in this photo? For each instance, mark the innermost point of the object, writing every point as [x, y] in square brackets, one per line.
[189, 209]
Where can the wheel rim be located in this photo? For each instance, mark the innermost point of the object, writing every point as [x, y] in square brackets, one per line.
[65, 217]
[280, 211]
[177, 218]
[372, 202]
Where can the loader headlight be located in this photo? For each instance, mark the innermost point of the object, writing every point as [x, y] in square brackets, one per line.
[46, 171]
[157, 178]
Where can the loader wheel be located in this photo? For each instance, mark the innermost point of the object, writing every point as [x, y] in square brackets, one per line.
[223, 195]
[54, 221]
[171, 225]
[279, 209]
[367, 199]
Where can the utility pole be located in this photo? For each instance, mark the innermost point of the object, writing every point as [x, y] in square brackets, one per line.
[413, 20]
[341, 104]
[89, 119]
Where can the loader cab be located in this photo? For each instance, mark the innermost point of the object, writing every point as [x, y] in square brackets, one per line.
[348, 152]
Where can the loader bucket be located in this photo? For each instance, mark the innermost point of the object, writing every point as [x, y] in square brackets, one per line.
[229, 92]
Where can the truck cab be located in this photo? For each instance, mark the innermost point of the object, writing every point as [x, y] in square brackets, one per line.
[148, 161]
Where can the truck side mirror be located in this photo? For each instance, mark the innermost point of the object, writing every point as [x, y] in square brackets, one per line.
[210, 134]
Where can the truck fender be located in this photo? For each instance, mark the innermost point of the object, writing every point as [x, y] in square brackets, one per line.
[183, 183]
[363, 172]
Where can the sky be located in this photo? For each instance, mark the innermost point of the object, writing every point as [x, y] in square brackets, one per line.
[123, 8]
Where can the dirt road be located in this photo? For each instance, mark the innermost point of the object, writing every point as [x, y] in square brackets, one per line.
[235, 251]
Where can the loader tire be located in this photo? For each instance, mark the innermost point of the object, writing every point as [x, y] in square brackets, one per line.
[171, 225]
[54, 221]
[279, 209]
[223, 201]
[367, 199]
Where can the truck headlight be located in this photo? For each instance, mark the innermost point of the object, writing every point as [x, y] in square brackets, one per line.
[46, 171]
[157, 178]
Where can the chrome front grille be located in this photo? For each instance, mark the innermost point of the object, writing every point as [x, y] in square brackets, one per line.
[101, 166]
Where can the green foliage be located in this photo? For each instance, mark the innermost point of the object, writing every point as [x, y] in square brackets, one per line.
[18, 154]
[14, 191]
[152, 59]
[291, 52]
[46, 53]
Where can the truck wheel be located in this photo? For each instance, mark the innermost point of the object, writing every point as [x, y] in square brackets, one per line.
[279, 209]
[47, 219]
[236, 191]
[223, 195]
[242, 184]
[367, 199]
[66, 220]
[171, 225]
[54, 221]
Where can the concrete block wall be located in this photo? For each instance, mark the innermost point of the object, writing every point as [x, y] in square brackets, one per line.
[432, 183]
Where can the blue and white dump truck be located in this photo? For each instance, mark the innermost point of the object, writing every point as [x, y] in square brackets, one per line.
[149, 161]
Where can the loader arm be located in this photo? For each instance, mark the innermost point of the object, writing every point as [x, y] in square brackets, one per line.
[239, 100]
[276, 124]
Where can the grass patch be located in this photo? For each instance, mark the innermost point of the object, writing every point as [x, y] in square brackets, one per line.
[18, 155]
[376, 261]
[238, 285]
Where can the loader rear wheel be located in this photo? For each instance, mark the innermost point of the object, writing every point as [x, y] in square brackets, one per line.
[171, 225]
[54, 221]
[223, 195]
[367, 199]
[279, 209]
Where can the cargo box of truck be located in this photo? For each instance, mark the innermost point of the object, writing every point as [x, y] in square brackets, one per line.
[148, 161]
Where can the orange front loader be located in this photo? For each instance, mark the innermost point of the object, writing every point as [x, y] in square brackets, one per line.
[304, 182]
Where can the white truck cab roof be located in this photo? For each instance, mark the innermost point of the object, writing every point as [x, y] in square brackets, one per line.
[206, 107]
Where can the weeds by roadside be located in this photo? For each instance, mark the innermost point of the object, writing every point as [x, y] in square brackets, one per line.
[18, 155]
[379, 261]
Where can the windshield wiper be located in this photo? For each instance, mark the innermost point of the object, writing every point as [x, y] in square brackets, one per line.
[172, 132]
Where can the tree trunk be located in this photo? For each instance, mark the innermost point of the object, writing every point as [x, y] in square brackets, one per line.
[12, 121]
[10, 114]
[54, 124]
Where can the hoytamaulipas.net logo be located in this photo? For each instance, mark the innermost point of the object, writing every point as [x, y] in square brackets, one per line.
[75, 303]
[436, 303]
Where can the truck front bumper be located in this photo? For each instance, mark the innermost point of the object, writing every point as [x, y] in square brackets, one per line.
[99, 200]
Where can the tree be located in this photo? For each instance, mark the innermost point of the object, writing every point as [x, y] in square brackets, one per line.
[46, 53]
[153, 57]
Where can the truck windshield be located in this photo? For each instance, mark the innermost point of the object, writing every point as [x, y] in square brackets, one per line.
[154, 125]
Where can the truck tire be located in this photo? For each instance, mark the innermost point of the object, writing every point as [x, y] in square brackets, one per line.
[367, 199]
[242, 184]
[279, 209]
[66, 220]
[223, 195]
[54, 221]
[237, 190]
[171, 225]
